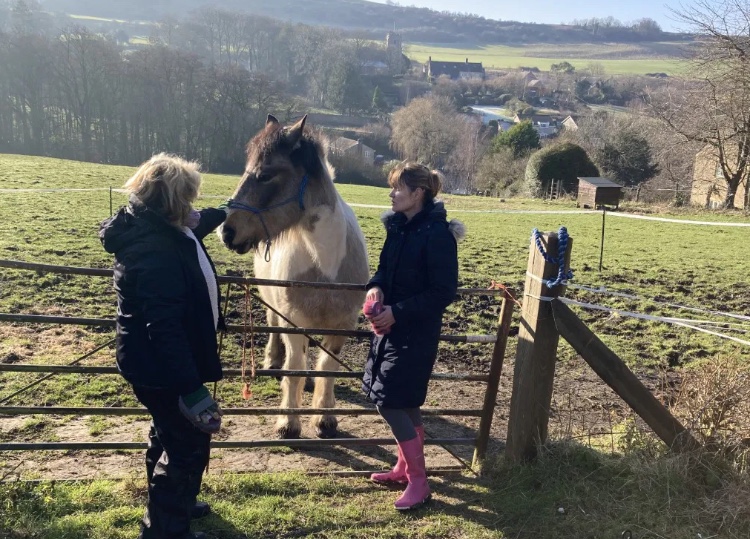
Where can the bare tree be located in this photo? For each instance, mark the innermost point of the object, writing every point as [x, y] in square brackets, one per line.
[501, 173]
[83, 63]
[431, 131]
[464, 160]
[714, 107]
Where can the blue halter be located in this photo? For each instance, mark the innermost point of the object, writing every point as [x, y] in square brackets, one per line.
[299, 198]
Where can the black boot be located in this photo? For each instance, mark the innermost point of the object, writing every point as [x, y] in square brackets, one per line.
[153, 454]
[169, 503]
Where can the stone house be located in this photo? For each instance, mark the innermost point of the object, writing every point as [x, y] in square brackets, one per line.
[709, 186]
[343, 146]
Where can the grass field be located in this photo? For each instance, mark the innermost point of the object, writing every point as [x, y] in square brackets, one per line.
[616, 59]
[649, 259]
[653, 495]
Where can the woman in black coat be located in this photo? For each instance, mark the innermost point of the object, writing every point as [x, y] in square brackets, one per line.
[416, 280]
[167, 318]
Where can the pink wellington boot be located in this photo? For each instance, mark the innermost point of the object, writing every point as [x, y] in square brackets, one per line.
[417, 492]
[398, 473]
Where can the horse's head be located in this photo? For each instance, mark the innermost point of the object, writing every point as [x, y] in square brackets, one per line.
[283, 172]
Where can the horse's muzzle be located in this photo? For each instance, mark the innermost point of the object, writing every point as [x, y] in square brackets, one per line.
[228, 236]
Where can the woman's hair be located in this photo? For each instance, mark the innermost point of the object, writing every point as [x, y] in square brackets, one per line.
[168, 185]
[413, 175]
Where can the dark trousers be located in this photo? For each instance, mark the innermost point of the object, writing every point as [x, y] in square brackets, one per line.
[176, 457]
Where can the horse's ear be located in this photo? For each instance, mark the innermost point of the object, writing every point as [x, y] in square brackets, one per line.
[271, 119]
[294, 134]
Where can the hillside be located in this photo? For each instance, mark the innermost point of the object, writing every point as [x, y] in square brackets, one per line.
[370, 19]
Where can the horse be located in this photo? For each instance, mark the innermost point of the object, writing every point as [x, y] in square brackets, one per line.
[287, 210]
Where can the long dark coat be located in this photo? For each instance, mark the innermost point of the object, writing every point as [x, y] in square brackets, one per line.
[166, 337]
[418, 274]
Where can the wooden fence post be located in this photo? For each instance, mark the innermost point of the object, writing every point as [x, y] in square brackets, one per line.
[496, 370]
[535, 356]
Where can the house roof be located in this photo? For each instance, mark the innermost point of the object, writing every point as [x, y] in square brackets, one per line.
[537, 118]
[454, 69]
[534, 83]
[600, 182]
[343, 143]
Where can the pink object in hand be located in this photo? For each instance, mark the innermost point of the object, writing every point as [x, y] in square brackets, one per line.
[371, 309]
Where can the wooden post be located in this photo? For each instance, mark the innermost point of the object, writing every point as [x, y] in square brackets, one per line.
[616, 374]
[535, 356]
[601, 248]
[496, 369]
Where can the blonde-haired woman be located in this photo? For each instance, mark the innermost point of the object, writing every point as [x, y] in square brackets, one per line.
[167, 318]
[416, 280]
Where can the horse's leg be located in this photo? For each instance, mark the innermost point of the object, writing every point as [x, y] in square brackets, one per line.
[275, 348]
[326, 425]
[288, 426]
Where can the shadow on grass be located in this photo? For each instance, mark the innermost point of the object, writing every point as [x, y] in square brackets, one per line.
[217, 527]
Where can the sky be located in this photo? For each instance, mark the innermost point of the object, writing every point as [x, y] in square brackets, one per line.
[556, 11]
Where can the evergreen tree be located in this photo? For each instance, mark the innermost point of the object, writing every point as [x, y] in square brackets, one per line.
[627, 159]
[521, 138]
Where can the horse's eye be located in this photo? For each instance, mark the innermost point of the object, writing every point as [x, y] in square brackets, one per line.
[264, 177]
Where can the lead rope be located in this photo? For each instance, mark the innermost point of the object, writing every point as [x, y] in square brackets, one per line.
[220, 348]
[246, 391]
[563, 275]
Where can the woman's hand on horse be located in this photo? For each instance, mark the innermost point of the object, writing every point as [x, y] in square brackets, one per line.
[374, 294]
[384, 320]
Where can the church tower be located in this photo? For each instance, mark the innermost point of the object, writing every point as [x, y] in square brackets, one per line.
[394, 53]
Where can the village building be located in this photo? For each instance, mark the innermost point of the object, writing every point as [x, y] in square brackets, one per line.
[455, 70]
[570, 123]
[346, 147]
[546, 125]
[709, 187]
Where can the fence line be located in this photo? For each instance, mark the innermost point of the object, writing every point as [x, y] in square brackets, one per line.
[232, 328]
[678, 221]
[300, 443]
[605, 291]
[453, 210]
[649, 317]
[131, 411]
[108, 272]
[79, 369]
[485, 413]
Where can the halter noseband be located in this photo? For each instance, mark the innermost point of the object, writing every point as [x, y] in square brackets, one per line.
[299, 197]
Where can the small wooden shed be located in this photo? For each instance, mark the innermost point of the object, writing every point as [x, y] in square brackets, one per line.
[596, 192]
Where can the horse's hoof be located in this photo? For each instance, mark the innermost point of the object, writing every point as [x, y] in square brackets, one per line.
[288, 432]
[327, 427]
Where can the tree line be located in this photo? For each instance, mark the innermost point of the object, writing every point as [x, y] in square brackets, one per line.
[372, 20]
[199, 88]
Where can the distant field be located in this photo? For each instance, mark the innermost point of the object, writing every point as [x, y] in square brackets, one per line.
[616, 59]
[100, 19]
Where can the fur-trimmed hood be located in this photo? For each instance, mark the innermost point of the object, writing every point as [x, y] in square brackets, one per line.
[435, 211]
